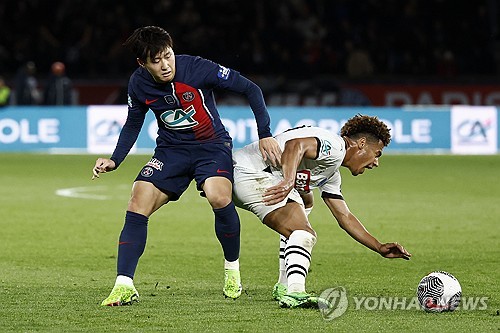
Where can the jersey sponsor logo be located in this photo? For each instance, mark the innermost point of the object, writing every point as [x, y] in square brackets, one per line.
[147, 171]
[222, 171]
[303, 180]
[155, 163]
[223, 72]
[179, 118]
[150, 101]
[188, 96]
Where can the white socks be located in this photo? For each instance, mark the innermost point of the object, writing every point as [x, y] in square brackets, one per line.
[282, 277]
[282, 269]
[298, 259]
[124, 280]
[232, 264]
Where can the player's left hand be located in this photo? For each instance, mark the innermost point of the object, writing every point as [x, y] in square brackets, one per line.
[270, 150]
[394, 250]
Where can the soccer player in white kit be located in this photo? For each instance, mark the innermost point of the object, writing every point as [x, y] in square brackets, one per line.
[311, 159]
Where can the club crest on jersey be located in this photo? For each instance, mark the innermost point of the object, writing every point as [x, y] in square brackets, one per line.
[223, 72]
[179, 118]
[326, 148]
[155, 163]
[188, 96]
[147, 171]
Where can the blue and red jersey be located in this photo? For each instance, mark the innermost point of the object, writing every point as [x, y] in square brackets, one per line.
[185, 108]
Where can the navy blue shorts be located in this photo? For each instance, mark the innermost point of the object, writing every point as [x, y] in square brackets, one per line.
[172, 169]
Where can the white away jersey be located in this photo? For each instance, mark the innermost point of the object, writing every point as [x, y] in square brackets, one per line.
[322, 172]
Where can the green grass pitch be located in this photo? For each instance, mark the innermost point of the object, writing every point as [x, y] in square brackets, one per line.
[58, 254]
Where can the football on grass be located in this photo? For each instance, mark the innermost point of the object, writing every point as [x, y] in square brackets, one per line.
[439, 292]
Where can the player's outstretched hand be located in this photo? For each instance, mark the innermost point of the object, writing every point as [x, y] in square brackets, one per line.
[277, 193]
[270, 150]
[394, 250]
[102, 165]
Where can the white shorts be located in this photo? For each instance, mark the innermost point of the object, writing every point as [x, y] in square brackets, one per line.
[249, 187]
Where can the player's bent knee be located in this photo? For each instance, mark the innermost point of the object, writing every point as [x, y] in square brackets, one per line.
[218, 202]
[136, 206]
[218, 191]
[288, 219]
[286, 228]
[303, 228]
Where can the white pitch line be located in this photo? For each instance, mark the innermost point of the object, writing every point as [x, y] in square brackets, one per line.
[86, 192]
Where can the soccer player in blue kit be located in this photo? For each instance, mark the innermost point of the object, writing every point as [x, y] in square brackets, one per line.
[192, 143]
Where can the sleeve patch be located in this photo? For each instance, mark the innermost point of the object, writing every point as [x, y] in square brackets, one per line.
[223, 72]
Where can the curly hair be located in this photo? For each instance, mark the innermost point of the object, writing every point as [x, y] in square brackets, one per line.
[372, 127]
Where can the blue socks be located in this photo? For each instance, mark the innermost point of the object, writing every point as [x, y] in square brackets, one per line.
[134, 234]
[132, 243]
[227, 229]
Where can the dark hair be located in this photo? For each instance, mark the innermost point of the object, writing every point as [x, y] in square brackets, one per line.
[148, 42]
[371, 127]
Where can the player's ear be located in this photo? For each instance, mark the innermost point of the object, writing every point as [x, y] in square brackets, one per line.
[361, 142]
[140, 62]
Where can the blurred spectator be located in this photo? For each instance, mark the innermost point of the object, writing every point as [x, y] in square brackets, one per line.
[58, 88]
[359, 62]
[292, 39]
[26, 88]
[4, 93]
[446, 65]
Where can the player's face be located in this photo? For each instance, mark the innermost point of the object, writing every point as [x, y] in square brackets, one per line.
[366, 157]
[162, 66]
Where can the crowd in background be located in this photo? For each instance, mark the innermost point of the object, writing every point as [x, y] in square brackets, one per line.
[291, 39]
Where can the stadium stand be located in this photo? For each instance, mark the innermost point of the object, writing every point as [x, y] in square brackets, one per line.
[287, 46]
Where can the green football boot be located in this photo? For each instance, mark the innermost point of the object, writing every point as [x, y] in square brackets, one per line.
[320, 303]
[232, 283]
[279, 291]
[299, 300]
[121, 295]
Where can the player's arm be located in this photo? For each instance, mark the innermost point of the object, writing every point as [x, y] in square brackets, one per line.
[295, 150]
[269, 147]
[231, 80]
[356, 230]
[128, 136]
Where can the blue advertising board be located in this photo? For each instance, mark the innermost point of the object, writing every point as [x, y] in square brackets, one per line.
[95, 129]
[411, 130]
[42, 128]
